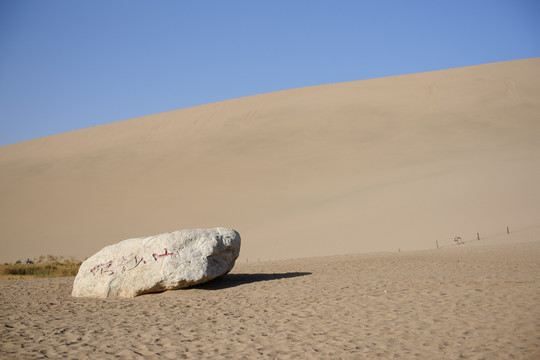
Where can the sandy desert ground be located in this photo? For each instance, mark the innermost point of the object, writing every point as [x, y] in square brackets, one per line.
[480, 300]
[365, 166]
[308, 177]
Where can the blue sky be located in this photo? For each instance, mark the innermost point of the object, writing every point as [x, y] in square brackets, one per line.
[66, 65]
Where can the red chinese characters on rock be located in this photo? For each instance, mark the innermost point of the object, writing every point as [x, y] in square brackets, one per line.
[136, 261]
[104, 268]
[167, 253]
[127, 265]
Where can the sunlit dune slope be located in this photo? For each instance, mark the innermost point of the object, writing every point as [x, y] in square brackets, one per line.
[373, 165]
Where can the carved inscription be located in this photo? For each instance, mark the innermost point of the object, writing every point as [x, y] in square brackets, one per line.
[104, 268]
[166, 253]
[128, 264]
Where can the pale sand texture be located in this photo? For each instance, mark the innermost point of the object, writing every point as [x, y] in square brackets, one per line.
[475, 301]
[364, 166]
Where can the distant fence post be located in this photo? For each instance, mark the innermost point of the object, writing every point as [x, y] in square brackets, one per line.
[477, 236]
[437, 242]
[507, 230]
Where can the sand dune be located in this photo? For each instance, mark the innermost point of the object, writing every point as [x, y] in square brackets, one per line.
[373, 165]
[473, 301]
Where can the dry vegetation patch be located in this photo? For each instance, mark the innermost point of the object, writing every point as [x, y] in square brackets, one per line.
[43, 267]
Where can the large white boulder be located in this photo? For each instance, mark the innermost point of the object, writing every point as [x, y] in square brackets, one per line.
[156, 263]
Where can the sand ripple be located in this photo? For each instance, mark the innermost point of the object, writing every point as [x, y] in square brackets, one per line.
[463, 302]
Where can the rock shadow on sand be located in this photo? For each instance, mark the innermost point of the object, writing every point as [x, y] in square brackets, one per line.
[232, 280]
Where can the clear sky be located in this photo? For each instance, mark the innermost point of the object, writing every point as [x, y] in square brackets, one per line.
[66, 65]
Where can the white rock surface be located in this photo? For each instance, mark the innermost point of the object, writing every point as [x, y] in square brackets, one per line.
[156, 263]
